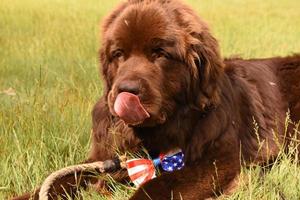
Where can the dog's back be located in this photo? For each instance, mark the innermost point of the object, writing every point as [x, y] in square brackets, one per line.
[287, 71]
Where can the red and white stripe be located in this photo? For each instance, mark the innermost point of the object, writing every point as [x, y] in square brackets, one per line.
[140, 170]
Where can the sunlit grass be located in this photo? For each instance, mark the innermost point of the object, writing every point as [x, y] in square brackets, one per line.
[48, 56]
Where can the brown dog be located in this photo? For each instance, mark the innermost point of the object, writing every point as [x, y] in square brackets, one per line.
[167, 87]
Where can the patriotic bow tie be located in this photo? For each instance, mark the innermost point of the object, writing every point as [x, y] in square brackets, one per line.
[143, 170]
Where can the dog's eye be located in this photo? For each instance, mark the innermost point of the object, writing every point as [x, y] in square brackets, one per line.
[159, 52]
[117, 53]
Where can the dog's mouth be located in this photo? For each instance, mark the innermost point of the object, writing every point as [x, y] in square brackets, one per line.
[130, 109]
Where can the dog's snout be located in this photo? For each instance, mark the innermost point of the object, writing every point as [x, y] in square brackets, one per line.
[129, 86]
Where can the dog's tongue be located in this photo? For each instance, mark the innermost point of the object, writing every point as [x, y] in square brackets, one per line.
[129, 108]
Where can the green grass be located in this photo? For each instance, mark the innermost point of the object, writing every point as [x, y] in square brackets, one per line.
[48, 56]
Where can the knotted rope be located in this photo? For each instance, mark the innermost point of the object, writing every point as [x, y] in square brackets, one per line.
[102, 167]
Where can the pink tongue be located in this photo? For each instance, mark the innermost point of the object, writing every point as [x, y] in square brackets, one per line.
[129, 108]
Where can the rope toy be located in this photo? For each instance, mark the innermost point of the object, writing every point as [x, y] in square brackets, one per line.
[139, 170]
[102, 167]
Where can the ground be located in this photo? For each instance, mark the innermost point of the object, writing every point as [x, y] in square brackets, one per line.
[49, 82]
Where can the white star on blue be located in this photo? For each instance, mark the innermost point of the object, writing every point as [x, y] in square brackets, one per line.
[172, 163]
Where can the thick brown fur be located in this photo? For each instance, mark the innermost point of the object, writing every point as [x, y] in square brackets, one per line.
[198, 102]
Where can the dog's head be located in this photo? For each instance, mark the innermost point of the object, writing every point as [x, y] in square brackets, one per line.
[157, 56]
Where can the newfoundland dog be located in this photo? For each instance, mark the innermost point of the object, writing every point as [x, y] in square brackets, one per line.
[166, 87]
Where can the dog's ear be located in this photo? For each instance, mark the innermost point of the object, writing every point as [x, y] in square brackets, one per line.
[206, 69]
[203, 58]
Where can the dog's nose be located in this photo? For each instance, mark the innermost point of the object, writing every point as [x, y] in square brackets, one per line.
[129, 86]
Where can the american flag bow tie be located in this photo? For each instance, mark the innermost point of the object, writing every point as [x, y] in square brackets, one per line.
[143, 170]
